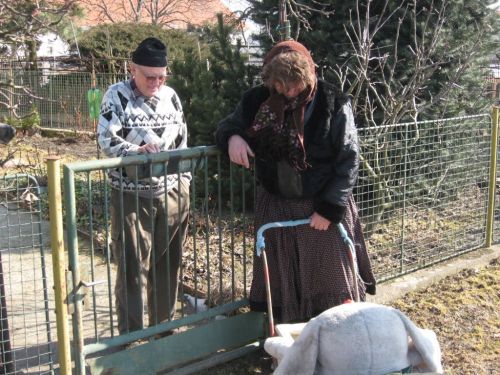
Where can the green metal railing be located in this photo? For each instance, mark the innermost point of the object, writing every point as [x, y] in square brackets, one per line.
[215, 267]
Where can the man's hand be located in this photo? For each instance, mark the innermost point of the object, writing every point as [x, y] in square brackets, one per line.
[149, 148]
[239, 150]
[319, 222]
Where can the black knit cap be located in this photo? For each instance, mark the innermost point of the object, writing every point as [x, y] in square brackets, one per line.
[150, 52]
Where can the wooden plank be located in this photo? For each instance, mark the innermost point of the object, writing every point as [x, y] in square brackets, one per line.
[173, 351]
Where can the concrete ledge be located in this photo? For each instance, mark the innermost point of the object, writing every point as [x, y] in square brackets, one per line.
[396, 288]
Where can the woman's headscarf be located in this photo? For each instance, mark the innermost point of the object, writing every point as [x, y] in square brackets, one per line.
[278, 127]
[290, 46]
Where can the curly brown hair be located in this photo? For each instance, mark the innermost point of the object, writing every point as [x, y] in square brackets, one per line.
[286, 68]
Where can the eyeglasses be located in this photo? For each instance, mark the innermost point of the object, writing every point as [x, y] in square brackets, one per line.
[151, 78]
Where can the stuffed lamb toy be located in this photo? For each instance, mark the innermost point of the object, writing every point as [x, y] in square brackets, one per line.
[354, 339]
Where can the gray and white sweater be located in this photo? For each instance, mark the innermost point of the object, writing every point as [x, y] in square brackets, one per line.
[129, 120]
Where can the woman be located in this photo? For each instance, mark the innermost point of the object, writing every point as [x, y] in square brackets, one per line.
[302, 134]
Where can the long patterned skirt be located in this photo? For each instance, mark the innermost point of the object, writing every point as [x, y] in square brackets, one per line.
[309, 269]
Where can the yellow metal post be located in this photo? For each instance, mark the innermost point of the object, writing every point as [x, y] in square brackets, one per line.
[493, 175]
[58, 263]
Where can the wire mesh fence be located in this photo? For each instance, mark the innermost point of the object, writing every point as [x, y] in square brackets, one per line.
[26, 322]
[423, 191]
[56, 93]
[57, 97]
[496, 207]
[422, 195]
[57, 90]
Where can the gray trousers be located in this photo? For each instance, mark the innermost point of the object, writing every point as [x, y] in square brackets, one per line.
[148, 255]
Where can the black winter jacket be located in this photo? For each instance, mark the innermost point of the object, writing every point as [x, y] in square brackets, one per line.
[331, 144]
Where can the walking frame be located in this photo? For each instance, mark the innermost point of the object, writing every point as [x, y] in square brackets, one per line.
[261, 251]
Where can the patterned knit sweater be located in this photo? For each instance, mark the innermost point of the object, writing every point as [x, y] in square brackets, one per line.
[129, 120]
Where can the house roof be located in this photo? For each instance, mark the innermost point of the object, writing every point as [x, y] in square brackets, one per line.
[174, 14]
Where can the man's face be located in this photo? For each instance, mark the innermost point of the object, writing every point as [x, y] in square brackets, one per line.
[148, 79]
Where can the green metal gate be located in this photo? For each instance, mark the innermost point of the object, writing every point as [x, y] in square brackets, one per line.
[216, 266]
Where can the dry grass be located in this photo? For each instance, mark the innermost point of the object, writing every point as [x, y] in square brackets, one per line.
[463, 311]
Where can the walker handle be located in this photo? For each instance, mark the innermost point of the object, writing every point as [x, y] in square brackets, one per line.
[260, 243]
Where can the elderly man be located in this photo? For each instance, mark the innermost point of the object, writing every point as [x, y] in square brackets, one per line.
[143, 115]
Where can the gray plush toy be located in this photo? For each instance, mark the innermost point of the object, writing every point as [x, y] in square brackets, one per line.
[355, 339]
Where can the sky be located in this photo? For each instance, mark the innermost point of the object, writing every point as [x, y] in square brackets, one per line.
[235, 5]
[241, 5]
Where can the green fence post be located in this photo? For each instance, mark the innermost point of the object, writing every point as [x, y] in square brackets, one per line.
[493, 175]
[72, 243]
[59, 264]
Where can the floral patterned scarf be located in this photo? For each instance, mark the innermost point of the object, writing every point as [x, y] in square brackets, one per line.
[278, 127]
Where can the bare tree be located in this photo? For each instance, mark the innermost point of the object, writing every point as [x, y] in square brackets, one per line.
[299, 12]
[381, 96]
[398, 99]
[22, 21]
[168, 13]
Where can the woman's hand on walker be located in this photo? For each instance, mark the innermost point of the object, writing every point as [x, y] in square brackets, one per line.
[319, 222]
[239, 150]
